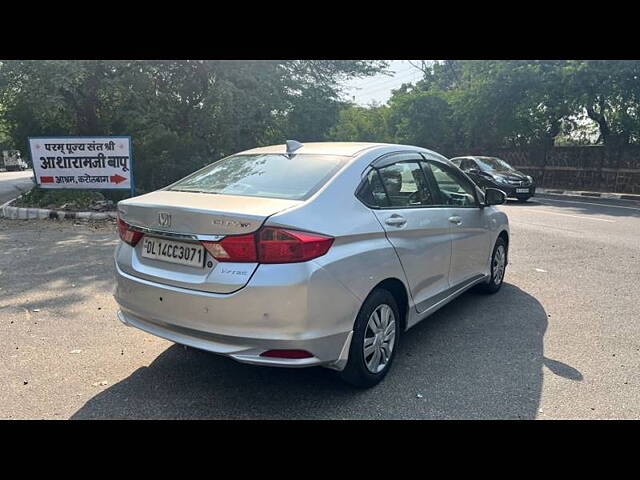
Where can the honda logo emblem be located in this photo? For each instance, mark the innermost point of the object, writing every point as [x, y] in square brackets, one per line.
[164, 219]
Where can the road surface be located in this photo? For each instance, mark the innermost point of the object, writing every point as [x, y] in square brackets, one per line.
[14, 183]
[560, 340]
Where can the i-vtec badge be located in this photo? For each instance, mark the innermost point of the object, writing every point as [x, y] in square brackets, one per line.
[164, 219]
[230, 223]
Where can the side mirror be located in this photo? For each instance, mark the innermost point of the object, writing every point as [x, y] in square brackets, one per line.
[474, 171]
[493, 196]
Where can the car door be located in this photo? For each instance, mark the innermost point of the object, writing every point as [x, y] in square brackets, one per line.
[468, 222]
[418, 230]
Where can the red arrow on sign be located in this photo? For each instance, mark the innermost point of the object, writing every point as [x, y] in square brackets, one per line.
[46, 179]
[117, 178]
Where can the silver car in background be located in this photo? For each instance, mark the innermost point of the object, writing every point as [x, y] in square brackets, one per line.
[301, 255]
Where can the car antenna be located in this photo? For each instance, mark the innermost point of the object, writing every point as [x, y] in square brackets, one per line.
[292, 146]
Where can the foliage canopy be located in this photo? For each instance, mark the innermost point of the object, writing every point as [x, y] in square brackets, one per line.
[185, 114]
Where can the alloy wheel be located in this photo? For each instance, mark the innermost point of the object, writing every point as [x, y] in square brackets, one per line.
[499, 263]
[379, 338]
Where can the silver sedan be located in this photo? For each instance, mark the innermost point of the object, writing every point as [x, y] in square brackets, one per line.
[308, 254]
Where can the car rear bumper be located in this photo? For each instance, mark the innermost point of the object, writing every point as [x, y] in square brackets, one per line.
[310, 312]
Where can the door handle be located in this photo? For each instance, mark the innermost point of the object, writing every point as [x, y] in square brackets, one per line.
[395, 220]
[456, 220]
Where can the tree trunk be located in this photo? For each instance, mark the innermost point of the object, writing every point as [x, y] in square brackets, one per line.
[554, 130]
[87, 110]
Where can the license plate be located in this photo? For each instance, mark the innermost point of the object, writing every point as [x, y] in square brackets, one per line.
[522, 190]
[182, 253]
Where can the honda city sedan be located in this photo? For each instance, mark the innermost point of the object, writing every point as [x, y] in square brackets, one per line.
[300, 255]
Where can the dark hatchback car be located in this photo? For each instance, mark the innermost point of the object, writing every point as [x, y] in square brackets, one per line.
[496, 173]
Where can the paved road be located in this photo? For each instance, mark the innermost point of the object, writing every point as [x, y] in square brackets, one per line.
[560, 340]
[13, 183]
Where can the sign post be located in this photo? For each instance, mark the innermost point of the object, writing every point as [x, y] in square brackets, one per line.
[78, 162]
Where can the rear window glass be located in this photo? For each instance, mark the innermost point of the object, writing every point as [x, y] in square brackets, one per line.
[266, 175]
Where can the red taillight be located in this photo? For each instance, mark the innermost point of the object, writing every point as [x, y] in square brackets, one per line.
[286, 354]
[238, 248]
[127, 235]
[270, 245]
[276, 245]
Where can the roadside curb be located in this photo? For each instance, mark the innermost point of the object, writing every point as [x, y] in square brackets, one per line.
[577, 193]
[21, 213]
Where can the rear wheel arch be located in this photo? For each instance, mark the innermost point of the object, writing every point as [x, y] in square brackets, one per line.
[400, 295]
[366, 352]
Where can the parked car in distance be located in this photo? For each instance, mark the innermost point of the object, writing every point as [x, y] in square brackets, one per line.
[303, 255]
[493, 172]
[11, 161]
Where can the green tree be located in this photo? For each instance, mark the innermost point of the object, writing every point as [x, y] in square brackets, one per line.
[181, 114]
[609, 92]
[499, 103]
[422, 118]
[314, 89]
[362, 124]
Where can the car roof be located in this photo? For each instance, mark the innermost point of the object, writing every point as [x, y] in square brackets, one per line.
[348, 149]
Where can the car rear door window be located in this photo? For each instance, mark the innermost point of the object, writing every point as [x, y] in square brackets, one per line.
[371, 191]
[405, 185]
[399, 185]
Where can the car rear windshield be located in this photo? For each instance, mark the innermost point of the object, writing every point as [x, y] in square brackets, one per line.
[266, 175]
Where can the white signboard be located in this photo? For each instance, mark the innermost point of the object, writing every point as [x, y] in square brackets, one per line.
[82, 162]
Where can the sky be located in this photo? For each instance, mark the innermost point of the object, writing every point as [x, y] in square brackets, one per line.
[378, 88]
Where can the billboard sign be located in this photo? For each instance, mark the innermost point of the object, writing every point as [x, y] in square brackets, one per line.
[82, 162]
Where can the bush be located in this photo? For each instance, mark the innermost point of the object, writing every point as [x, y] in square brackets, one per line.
[72, 200]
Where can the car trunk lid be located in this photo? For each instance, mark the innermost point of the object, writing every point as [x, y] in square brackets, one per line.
[186, 217]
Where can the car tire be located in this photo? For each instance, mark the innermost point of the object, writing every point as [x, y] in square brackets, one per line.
[361, 369]
[498, 257]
